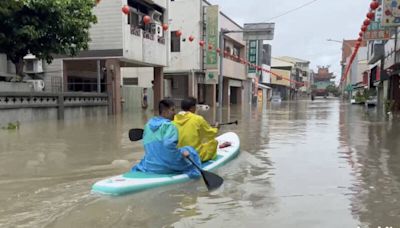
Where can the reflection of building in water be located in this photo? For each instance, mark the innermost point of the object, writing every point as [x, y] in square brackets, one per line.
[372, 153]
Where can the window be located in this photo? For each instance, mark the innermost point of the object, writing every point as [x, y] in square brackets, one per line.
[175, 42]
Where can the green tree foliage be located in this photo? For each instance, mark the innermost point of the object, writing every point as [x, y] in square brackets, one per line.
[44, 28]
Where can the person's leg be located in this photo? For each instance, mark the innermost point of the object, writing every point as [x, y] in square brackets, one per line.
[208, 150]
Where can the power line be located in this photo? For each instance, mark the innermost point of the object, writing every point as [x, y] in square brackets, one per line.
[292, 10]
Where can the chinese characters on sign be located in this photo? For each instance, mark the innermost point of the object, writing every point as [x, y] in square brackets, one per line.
[212, 36]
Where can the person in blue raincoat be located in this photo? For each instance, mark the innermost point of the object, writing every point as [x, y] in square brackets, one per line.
[160, 140]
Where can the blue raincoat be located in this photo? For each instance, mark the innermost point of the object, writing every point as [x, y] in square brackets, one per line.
[160, 140]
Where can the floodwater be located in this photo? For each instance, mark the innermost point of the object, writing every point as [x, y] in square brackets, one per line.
[302, 164]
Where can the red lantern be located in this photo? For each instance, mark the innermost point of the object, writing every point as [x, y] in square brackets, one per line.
[201, 43]
[191, 38]
[374, 5]
[370, 15]
[218, 50]
[126, 9]
[178, 33]
[359, 39]
[146, 19]
[210, 47]
[364, 28]
[165, 27]
[361, 34]
[225, 52]
[367, 22]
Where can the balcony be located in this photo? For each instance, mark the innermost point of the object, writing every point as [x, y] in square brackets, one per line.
[234, 69]
[145, 47]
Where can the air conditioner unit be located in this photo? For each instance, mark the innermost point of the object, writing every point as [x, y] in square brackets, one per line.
[33, 66]
[156, 16]
[156, 29]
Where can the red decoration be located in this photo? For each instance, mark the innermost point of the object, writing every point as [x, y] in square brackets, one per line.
[178, 33]
[201, 42]
[370, 15]
[225, 52]
[359, 39]
[361, 34]
[374, 5]
[367, 22]
[165, 27]
[210, 47]
[191, 38]
[126, 9]
[146, 19]
[218, 50]
[364, 28]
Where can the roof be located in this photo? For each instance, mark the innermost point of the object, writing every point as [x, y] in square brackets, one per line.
[276, 62]
[293, 59]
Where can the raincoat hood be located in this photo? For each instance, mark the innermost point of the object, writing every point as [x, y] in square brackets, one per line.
[183, 117]
[156, 122]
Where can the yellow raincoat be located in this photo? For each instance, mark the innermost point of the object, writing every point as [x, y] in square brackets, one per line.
[195, 131]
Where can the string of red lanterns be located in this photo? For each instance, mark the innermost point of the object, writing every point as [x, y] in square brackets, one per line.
[147, 19]
[370, 16]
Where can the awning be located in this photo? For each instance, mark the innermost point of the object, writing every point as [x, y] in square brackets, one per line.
[261, 86]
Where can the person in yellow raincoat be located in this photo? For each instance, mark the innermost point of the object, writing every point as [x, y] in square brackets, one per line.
[195, 131]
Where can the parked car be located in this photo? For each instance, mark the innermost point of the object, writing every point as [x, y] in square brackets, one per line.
[372, 101]
[276, 99]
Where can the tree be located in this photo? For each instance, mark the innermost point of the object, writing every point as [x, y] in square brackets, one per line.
[44, 28]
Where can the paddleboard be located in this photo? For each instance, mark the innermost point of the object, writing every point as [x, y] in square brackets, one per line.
[131, 182]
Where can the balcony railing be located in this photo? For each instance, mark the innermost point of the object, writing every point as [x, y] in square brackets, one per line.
[146, 35]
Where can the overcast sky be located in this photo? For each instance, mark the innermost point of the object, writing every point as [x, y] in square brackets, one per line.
[303, 33]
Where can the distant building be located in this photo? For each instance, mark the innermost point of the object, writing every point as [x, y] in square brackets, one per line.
[322, 79]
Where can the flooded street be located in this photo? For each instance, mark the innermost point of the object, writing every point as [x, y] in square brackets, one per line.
[302, 164]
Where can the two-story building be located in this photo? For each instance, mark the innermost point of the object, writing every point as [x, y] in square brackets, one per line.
[121, 39]
[193, 69]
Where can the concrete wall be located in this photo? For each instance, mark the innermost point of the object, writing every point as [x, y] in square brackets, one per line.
[107, 33]
[186, 16]
[283, 73]
[234, 69]
[15, 87]
[144, 74]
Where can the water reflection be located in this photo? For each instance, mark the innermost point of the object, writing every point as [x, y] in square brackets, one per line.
[302, 164]
[371, 142]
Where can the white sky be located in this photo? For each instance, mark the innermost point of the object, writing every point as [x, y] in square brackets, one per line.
[303, 34]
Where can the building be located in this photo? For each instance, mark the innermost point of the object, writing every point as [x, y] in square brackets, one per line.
[322, 79]
[297, 81]
[302, 73]
[354, 79]
[118, 41]
[193, 70]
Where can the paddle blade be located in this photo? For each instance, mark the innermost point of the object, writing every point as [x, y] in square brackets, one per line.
[136, 134]
[212, 180]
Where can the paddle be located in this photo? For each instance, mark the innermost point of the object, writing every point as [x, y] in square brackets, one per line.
[135, 134]
[230, 123]
[212, 181]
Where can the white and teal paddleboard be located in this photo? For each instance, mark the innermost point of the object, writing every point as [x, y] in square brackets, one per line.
[138, 181]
